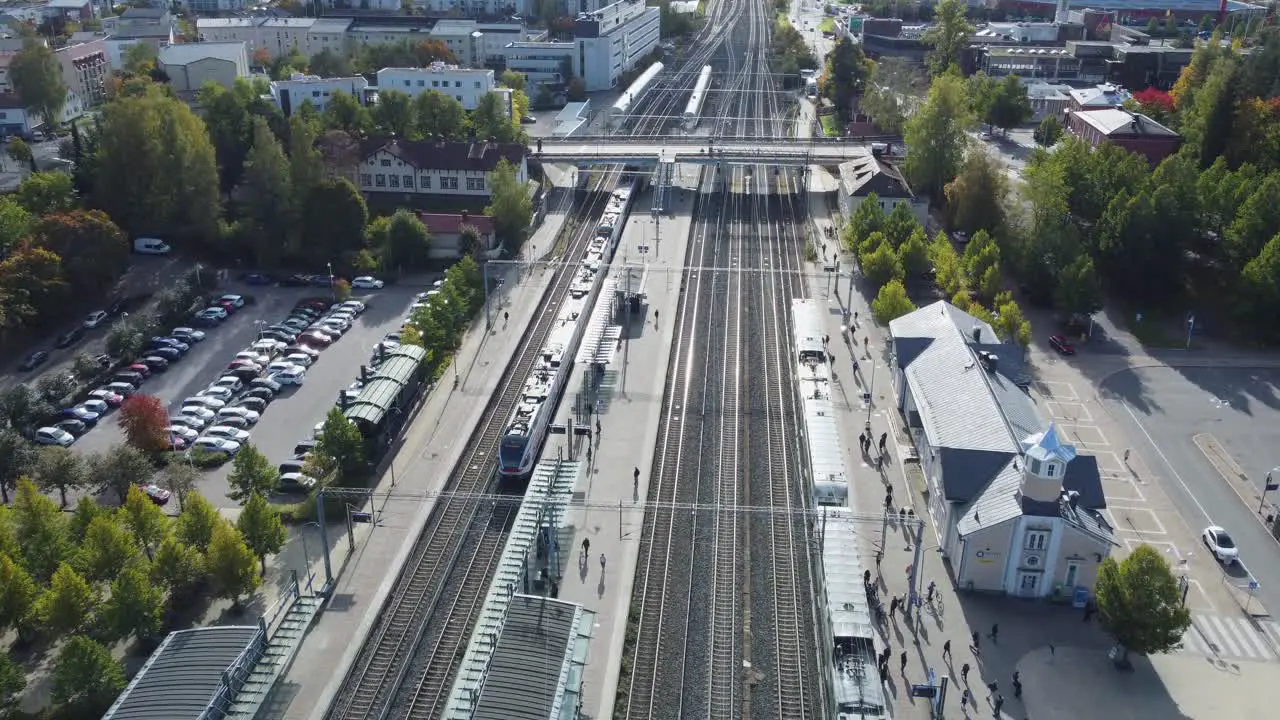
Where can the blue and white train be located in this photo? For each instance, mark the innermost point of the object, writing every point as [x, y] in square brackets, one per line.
[522, 442]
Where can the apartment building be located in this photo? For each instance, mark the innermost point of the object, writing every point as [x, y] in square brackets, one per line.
[463, 38]
[606, 44]
[466, 85]
[290, 94]
[85, 67]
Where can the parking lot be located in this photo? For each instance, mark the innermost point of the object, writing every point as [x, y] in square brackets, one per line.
[291, 417]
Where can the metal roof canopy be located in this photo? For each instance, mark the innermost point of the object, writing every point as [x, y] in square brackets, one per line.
[495, 677]
[184, 677]
[600, 337]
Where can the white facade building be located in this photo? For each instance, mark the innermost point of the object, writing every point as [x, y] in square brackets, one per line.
[425, 167]
[463, 38]
[279, 35]
[474, 8]
[606, 44]
[191, 65]
[290, 94]
[466, 85]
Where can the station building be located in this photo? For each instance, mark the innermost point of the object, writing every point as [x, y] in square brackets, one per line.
[1017, 509]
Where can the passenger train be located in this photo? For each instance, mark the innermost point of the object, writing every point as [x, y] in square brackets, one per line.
[522, 441]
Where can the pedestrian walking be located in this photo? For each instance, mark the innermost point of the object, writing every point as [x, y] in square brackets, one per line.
[884, 674]
[879, 462]
[855, 317]
[975, 642]
[862, 442]
[884, 437]
[1017, 677]
[826, 339]
[902, 661]
[586, 547]
[964, 673]
[993, 688]
[966, 697]
[505, 317]
[601, 562]
[866, 577]
[1088, 611]
[598, 428]
[655, 318]
[932, 586]
[893, 605]
[995, 632]
[1052, 650]
[1126, 455]
[866, 346]
[999, 703]
[946, 650]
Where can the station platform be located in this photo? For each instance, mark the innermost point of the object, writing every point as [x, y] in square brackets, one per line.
[367, 562]
[607, 506]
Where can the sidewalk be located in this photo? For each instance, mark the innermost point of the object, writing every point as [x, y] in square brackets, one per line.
[630, 396]
[367, 564]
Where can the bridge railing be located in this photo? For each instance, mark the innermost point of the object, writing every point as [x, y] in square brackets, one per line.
[703, 141]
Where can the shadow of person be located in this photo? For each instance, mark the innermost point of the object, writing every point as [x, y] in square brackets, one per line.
[600, 587]
[582, 568]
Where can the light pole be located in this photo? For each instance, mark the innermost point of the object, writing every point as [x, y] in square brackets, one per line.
[306, 556]
[1191, 326]
[1267, 486]
[333, 290]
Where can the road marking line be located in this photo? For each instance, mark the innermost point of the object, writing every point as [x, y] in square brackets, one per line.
[1255, 637]
[1077, 412]
[1191, 641]
[1202, 594]
[1244, 636]
[1248, 504]
[1057, 390]
[1165, 459]
[1272, 631]
[1130, 527]
[1220, 637]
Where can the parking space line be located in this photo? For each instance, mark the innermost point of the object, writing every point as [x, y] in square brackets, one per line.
[1086, 436]
[1123, 483]
[1109, 461]
[1069, 411]
[1056, 390]
[1129, 514]
[1200, 594]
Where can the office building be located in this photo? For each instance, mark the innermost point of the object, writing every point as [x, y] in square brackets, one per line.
[607, 43]
[290, 94]
[466, 85]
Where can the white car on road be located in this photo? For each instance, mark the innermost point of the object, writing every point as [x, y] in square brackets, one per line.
[364, 282]
[1221, 544]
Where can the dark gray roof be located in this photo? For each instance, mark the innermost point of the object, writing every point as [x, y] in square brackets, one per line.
[869, 174]
[965, 472]
[183, 675]
[526, 674]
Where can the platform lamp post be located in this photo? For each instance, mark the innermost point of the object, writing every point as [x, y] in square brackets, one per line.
[1267, 486]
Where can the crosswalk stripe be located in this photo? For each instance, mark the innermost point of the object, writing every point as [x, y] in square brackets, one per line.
[1254, 637]
[1272, 630]
[1193, 642]
[1219, 636]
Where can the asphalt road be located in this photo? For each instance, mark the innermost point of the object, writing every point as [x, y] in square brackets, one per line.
[291, 417]
[1165, 408]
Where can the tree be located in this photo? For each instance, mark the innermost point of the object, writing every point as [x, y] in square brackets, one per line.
[93, 249]
[86, 677]
[177, 566]
[57, 468]
[405, 244]
[492, 121]
[1259, 290]
[107, 547]
[913, 255]
[143, 418]
[140, 58]
[67, 606]
[179, 479]
[127, 337]
[251, 472]
[1011, 324]
[893, 92]
[867, 218]
[1048, 132]
[1011, 106]
[437, 115]
[891, 302]
[44, 193]
[12, 680]
[135, 606]
[845, 76]
[339, 446]
[197, 522]
[231, 565]
[18, 595]
[120, 468]
[156, 172]
[328, 63]
[268, 197]
[1256, 222]
[19, 151]
[899, 225]
[343, 112]
[881, 265]
[145, 520]
[41, 530]
[393, 115]
[333, 219]
[1139, 603]
[262, 529]
[32, 284]
[15, 224]
[509, 205]
[36, 75]
[86, 511]
[948, 35]
[936, 135]
[976, 198]
[471, 242]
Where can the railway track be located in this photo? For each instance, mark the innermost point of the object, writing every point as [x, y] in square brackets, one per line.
[408, 662]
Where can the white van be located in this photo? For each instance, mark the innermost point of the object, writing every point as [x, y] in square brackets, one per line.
[150, 246]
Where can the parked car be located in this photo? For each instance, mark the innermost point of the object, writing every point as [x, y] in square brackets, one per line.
[315, 337]
[85, 416]
[188, 421]
[205, 320]
[281, 335]
[96, 406]
[242, 412]
[229, 382]
[246, 372]
[35, 360]
[95, 318]
[201, 411]
[217, 445]
[303, 349]
[303, 448]
[106, 396]
[258, 393]
[364, 282]
[266, 382]
[172, 342]
[235, 301]
[187, 335]
[1221, 544]
[226, 432]
[291, 466]
[282, 366]
[256, 279]
[268, 347]
[234, 421]
[156, 494]
[171, 354]
[54, 436]
[216, 314]
[255, 404]
[1059, 343]
[156, 363]
[301, 359]
[122, 389]
[290, 377]
[140, 368]
[183, 432]
[295, 281]
[69, 338]
[323, 280]
[129, 376]
[75, 427]
[250, 356]
[295, 482]
[354, 305]
[217, 399]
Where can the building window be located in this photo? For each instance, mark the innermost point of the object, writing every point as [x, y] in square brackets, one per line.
[408, 181]
[386, 162]
[448, 183]
[381, 180]
[1035, 466]
[395, 181]
[366, 179]
[406, 83]
[425, 182]
[477, 84]
[1050, 469]
[475, 183]
[435, 83]
[421, 83]
[1037, 540]
[458, 98]
[457, 83]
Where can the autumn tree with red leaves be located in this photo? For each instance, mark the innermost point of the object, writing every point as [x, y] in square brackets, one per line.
[143, 418]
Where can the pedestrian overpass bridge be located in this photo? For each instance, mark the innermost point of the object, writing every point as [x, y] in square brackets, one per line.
[621, 150]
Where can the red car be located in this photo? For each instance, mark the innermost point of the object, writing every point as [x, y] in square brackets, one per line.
[140, 368]
[315, 338]
[157, 494]
[1059, 343]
